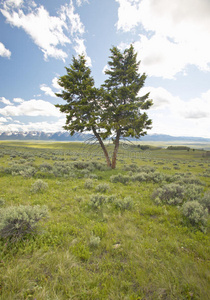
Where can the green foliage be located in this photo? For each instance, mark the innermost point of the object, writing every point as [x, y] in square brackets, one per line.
[114, 109]
[205, 201]
[120, 178]
[39, 186]
[25, 169]
[102, 187]
[88, 183]
[147, 252]
[178, 148]
[97, 201]
[193, 192]
[172, 194]
[2, 202]
[17, 221]
[94, 241]
[122, 88]
[124, 204]
[195, 212]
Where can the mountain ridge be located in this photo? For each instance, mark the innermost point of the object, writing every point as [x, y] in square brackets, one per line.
[65, 136]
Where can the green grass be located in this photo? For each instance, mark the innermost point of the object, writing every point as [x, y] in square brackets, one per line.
[146, 252]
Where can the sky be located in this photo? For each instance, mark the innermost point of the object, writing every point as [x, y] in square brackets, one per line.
[39, 37]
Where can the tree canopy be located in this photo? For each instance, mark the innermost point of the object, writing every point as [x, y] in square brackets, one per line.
[114, 109]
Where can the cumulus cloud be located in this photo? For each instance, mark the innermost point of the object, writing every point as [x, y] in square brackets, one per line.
[49, 33]
[31, 108]
[3, 120]
[18, 100]
[81, 50]
[55, 83]
[5, 101]
[175, 37]
[47, 90]
[172, 115]
[51, 126]
[4, 52]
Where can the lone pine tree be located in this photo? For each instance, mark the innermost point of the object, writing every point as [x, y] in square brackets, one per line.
[114, 109]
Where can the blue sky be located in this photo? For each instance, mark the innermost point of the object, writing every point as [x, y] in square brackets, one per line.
[38, 39]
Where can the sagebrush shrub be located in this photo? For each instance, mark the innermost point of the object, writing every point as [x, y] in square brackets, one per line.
[171, 193]
[195, 212]
[205, 201]
[28, 172]
[44, 167]
[120, 178]
[93, 176]
[146, 169]
[39, 186]
[193, 191]
[88, 183]
[17, 221]
[97, 201]
[102, 187]
[94, 241]
[131, 167]
[143, 176]
[124, 204]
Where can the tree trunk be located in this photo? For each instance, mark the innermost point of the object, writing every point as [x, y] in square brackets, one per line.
[103, 147]
[116, 147]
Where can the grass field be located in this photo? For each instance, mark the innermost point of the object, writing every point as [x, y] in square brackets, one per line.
[107, 236]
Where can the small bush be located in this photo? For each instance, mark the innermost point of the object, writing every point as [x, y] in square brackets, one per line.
[143, 176]
[120, 178]
[17, 221]
[172, 194]
[39, 186]
[146, 169]
[124, 204]
[205, 201]
[93, 176]
[156, 177]
[88, 184]
[97, 201]
[193, 191]
[94, 241]
[195, 212]
[28, 172]
[102, 187]
[44, 167]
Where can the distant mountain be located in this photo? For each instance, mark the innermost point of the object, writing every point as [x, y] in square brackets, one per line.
[65, 136]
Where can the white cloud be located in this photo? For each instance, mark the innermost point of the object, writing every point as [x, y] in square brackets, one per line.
[79, 2]
[47, 90]
[18, 100]
[44, 126]
[55, 83]
[4, 52]
[31, 108]
[174, 116]
[47, 32]
[3, 120]
[177, 34]
[81, 50]
[15, 3]
[67, 14]
[5, 101]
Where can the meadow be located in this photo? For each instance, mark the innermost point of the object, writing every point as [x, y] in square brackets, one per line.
[138, 232]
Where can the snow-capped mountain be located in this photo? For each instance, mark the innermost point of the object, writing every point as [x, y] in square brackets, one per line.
[65, 136]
